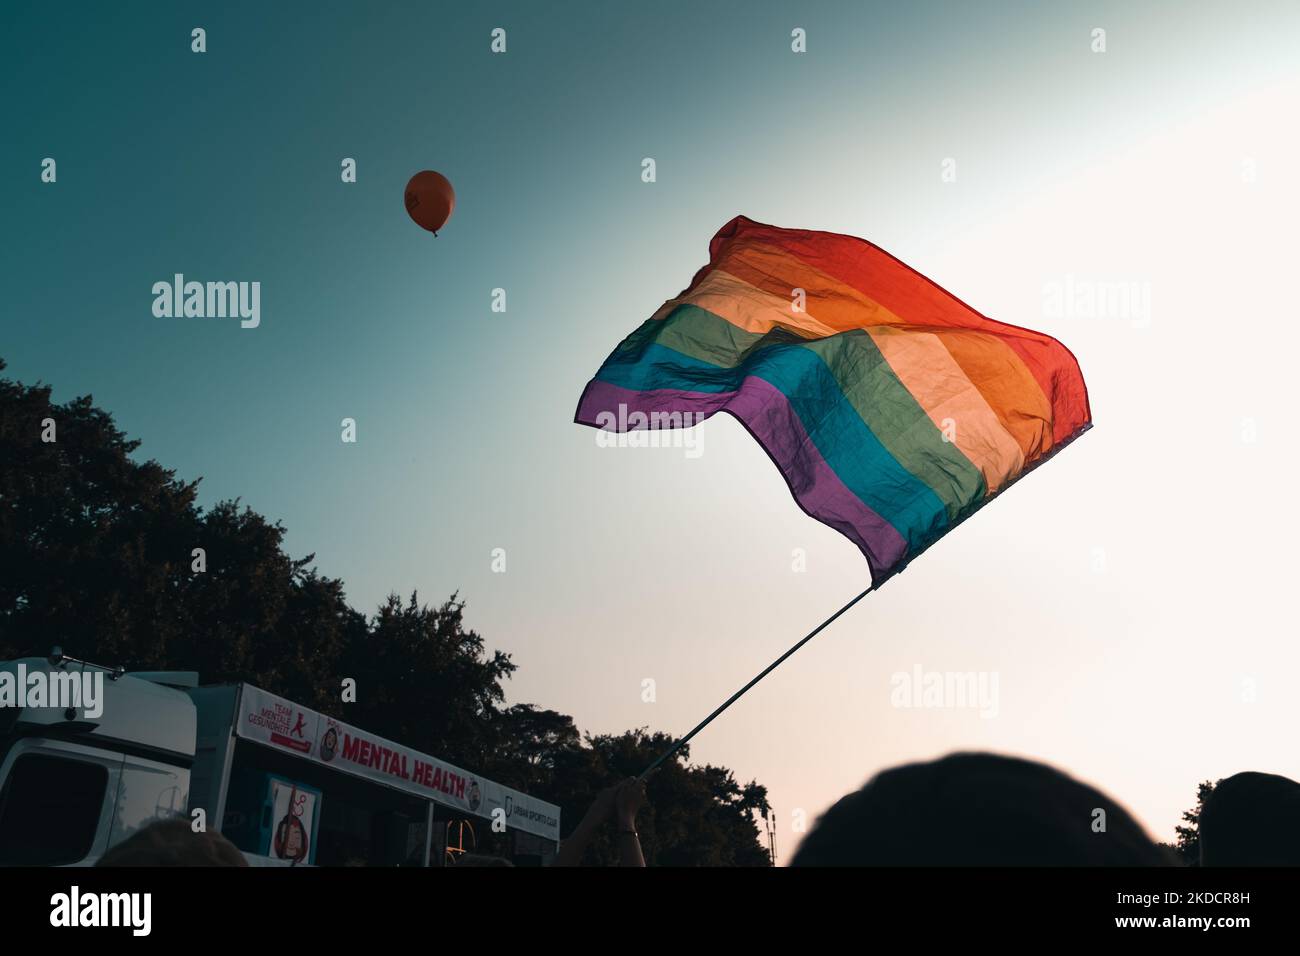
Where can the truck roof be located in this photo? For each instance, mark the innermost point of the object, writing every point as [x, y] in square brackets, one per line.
[127, 709]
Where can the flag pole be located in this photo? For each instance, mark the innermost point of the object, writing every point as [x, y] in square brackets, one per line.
[740, 693]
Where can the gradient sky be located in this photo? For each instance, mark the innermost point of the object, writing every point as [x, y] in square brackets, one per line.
[1135, 597]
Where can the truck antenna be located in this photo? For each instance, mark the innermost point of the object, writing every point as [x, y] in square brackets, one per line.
[58, 658]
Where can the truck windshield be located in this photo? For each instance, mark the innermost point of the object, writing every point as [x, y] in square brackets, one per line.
[49, 810]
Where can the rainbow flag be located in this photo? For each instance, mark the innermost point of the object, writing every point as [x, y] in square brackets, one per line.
[893, 409]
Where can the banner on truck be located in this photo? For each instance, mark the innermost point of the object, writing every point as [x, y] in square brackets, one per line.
[284, 725]
[280, 723]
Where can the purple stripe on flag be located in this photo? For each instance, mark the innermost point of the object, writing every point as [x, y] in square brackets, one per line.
[767, 414]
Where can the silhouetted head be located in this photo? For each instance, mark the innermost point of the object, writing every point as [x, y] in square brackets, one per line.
[974, 809]
[1251, 819]
[173, 843]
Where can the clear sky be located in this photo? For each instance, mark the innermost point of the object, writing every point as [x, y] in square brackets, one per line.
[1134, 598]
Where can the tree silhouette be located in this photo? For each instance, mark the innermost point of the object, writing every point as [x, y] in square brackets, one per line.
[98, 554]
[1188, 846]
[426, 681]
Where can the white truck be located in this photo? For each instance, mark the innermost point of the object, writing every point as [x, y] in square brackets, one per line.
[288, 785]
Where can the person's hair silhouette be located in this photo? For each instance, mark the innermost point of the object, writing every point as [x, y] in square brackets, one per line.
[976, 809]
[1251, 819]
[173, 843]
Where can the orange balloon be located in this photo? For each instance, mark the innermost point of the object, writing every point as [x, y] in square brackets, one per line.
[430, 200]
